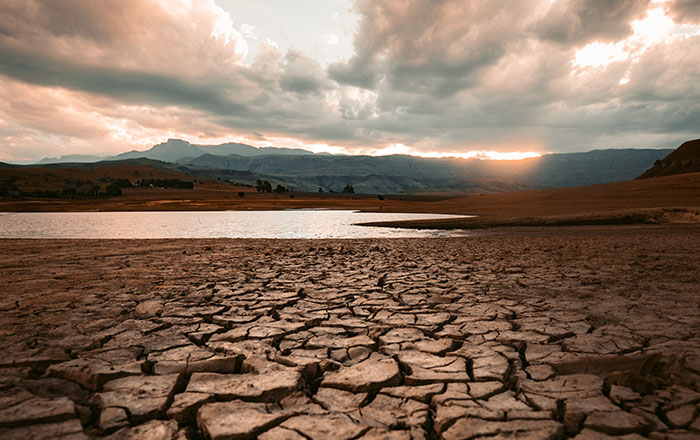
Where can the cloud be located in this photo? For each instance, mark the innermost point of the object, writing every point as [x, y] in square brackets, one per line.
[583, 21]
[448, 75]
[685, 11]
[302, 75]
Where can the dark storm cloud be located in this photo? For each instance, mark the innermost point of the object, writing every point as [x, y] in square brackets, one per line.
[302, 75]
[582, 21]
[429, 47]
[685, 11]
[130, 86]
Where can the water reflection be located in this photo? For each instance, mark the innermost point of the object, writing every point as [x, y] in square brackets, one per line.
[211, 224]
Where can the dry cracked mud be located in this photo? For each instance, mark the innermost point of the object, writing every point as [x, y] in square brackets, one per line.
[585, 333]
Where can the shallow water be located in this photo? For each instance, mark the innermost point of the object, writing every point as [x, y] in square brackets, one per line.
[212, 224]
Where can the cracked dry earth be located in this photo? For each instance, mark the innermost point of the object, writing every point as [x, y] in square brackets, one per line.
[576, 333]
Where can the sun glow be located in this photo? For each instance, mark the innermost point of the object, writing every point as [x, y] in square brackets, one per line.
[655, 28]
[388, 150]
[472, 154]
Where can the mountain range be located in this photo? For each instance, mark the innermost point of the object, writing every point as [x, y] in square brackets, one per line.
[175, 150]
[303, 170]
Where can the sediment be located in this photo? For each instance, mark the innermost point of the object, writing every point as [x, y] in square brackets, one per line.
[586, 333]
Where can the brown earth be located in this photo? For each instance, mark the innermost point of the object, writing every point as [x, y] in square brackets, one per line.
[54, 178]
[635, 201]
[586, 333]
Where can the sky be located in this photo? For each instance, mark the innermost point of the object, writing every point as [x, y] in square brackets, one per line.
[470, 78]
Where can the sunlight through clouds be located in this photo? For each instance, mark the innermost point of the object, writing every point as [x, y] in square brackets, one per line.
[653, 29]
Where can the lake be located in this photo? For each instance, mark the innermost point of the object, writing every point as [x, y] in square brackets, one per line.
[212, 224]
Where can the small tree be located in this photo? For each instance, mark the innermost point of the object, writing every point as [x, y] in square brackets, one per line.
[349, 189]
[267, 187]
[320, 190]
[113, 190]
[241, 194]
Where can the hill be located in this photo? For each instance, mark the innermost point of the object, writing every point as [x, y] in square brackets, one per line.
[101, 179]
[684, 159]
[400, 174]
[663, 200]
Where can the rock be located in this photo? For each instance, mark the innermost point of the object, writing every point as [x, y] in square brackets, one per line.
[144, 397]
[338, 427]
[514, 408]
[149, 308]
[468, 428]
[616, 423]
[487, 364]
[339, 400]
[355, 341]
[238, 419]
[427, 368]
[96, 369]
[152, 430]
[39, 359]
[273, 385]
[604, 340]
[682, 416]
[588, 434]
[433, 346]
[540, 372]
[400, 335]
[185, 406]
[574, 386]
[620, 394]
[422, 393]
[53, 387]
[67, 430]
[576, 410]
[113, 418]
[368, 375]
[446, 415]
[279, 433]
[20, 408]
[190, 359]
[383, 434]
[390, 413]
[299, 402]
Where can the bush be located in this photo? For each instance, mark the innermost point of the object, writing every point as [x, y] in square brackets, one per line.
[167, 183]
[113, 190]
[263, 186]
[241, 194]
[349, 189]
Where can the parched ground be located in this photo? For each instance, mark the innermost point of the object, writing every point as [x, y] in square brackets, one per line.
[587, 333]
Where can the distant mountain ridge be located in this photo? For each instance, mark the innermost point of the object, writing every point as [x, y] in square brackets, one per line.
[682, 160]
[72, 158]
[175, 150]
[410, 173]
[303, 170]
